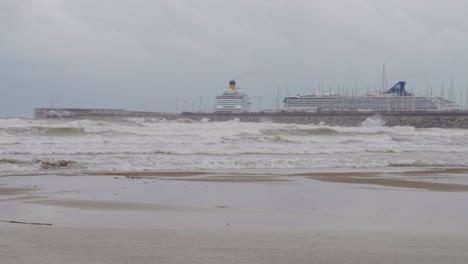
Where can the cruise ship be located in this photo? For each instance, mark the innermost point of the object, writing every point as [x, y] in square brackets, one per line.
[395, 99]
[232, 101]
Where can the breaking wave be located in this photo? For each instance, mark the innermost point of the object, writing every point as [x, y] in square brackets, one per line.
[61, 131]
[39, 166]
[373, 121]
[55, 164]
[15, 162]
[45, 146]
[320, 131]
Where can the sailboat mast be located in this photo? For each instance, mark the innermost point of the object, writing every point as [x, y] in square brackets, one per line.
[383, 79]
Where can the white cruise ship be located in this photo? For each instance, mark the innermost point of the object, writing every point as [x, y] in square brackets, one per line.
[232, 101]
[395, 99]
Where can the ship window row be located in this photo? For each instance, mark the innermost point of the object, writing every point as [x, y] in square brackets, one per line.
[230, 97]
[232, 103]
[356, 103]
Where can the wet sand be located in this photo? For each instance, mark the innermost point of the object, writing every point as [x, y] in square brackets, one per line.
[149, 174]
[431, 180]
[160, 217]
[371, 179]
[237, 179]
[15, 191]
[110, 205]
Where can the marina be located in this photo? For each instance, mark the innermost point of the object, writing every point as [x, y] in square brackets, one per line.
[396, 107]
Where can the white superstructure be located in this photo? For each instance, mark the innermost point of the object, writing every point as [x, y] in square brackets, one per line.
[395, 99]
[232, 101]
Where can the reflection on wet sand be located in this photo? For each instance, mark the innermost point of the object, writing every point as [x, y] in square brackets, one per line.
[431, 179]
[110, 205]
[402, 180]
[431, 186]
[16, 190]
[149, 174]
[236, 179]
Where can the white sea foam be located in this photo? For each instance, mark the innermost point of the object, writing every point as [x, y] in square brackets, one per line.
[152, 144]
[373, 121]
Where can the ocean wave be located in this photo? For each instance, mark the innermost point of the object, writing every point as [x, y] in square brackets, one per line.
[140, 144]
[447, 164]
[46, 131]
[251, 160]
[280, 139]
[17, 162]
[56, 164]
[61, 131]
[320, 131]
[41, 166]
[373, 121]
[15, 122]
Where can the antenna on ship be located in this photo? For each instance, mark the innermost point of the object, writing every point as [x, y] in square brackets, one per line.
[461, 97]
[450, 92]
[259, 103]
[442, 92]
[277, 99]
[383, 78]
[466, 101]
[356, 89]
[201, 103]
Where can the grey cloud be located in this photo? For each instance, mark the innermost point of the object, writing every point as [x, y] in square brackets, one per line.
[138, 53]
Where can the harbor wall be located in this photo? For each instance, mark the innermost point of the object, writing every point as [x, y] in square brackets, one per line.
[457, 119]
[419, 120]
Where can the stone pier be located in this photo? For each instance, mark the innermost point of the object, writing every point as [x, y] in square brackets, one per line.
[457, 119]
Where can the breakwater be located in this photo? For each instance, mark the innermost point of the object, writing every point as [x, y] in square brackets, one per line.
[458, 119]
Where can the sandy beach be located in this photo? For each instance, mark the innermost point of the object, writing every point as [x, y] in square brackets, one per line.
[241, 217]
[29, 244]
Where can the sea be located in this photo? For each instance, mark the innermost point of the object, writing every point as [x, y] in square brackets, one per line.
[63, 146]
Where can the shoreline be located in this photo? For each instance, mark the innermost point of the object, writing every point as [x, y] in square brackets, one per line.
[433, 179]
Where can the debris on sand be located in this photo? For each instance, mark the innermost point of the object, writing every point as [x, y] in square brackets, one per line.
[24, 223]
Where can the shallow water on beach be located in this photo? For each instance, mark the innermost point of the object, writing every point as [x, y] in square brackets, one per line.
[299, 204]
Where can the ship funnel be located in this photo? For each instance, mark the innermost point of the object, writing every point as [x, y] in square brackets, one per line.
[232, 85]
[399, 89]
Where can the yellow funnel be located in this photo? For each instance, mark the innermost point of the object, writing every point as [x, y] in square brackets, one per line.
[232, 85]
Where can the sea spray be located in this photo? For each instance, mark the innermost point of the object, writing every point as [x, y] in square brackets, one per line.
[373, 121]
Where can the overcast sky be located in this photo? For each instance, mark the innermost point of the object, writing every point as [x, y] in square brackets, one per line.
[144, 54]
